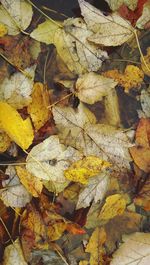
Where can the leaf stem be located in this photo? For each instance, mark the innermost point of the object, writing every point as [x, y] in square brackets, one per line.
[50, 106]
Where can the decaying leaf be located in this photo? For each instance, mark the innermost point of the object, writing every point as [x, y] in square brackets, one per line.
[145, 102]
[114, 205]
[95, 246]
[20, 11]
[146, 61]
[143, 197]
[17, 89]
[48, 160]
[141, 22]
[4, 141]
[13, 254]
[135, 250]
[47, 257]
[111, 30]
[14, 193]
[31, 183]
[38, 107]
[114, 4]
[132, 77]
[92, 87]
[86, 168]
[95, 190]
[19, 130]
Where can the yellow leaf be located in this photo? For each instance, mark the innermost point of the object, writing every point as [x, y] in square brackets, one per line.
[19, 130]
[38, 108]
[132, 77]
[31, 183]
[83, 262]
[95, 246]
[4, 142]
[114, 205]
[3, 30]
[86, 168]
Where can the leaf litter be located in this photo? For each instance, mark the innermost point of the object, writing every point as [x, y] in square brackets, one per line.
[76, 187]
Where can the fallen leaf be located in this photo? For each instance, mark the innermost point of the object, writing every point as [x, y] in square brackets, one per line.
[3, 30]
[141, 22]
[141, 156]
[143, 197]
[135, 249]
[13, 254]
[114, 4]
[17, 90]
[75, 229]
[20, 11]
[143, 133]
[132, 77]
[95, 190]
[14, 193]
[95, 246]
[8, 22]
[4, 141]
[38, 107]
[92, 87]
[83, 262]
[114, 205]
[19, 130]
[47, 257]
[48, 160]
[145, 102]
[86, 168]
[145, 63]
[111, 30]
[31, 183]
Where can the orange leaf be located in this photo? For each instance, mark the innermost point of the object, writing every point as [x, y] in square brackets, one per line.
[75, 229]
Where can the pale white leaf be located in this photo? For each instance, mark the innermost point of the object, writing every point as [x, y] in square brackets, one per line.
[145, 16]
[49, 159]
[111, 30]
[92, 87]
[17, 89]
[115, 4]
[135, 250]
[14, 193]
[20, 11]
[13, 254]
[8, 22]
[94, 190]
[145, 102]
[46, 257]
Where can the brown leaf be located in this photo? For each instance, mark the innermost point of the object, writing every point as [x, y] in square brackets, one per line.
[141, 157]
[143, 198]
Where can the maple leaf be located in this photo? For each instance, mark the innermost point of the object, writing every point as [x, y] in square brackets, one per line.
[13, 254]
[95, 190]
[38, 107]
[20, 11]
[114, 4]
[4, 141]
[86, 168]
[92, 87]
[111, 30]
[48, 160]
[14, 193]
[19, 130]
[135, 249]
[17, 89]
[114, 205]
[95, 246]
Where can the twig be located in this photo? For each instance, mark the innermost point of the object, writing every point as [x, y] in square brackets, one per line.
[50, 106]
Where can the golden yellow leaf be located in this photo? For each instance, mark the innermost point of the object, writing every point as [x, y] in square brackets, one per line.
[85, 168]
[3, 30]
[19, 130]
[147, 60]
[95, 246]
[38, 108]
[132, 77]
[83, 262]
[32, 184]
[114, 205]
[4, 142]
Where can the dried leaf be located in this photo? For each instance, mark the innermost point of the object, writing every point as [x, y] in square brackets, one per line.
[19, 130]
[38, 107]
[31, 183]
[145, 102]
[95, 246]
[92, 87]
[143, 197]
[3, 30]
[111, 30]
[17, 90]
[143, 133]
[141, 22]
[114, 4]
[8, 22]
[14, 193]
[132, 77]
[95, 190]
[20, 11]
[114, 205]
[146, 61]
[48, 160]
[4, 141]
[86, 168]
[135, 249]
[13, 254]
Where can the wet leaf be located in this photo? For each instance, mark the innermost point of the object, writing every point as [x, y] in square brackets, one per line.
[19, 130]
